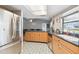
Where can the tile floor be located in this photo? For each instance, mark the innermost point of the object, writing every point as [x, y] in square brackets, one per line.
[36, 48]
[28, 48]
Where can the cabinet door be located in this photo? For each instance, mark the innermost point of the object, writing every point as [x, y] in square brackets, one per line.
[59, 47]
[36, 36]
[72, 48]
[44, 37]
[50, 42]
[55, 45]
[32, 36]
[63, 49]
[40, 37]
[26, 36]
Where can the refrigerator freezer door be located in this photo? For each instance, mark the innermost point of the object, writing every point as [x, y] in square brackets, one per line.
[5, 19]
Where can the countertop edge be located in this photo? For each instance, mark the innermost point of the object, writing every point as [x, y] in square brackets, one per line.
[65, 40]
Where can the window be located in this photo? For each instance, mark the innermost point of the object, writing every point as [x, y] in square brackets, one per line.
[71, 24]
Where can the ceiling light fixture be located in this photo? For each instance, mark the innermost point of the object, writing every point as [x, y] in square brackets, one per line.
[31, 20]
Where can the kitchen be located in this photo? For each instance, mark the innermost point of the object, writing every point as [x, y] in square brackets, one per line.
[46, 29]
[61, 36]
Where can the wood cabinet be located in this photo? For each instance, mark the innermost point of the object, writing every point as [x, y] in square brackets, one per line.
[70, 47]
[50, 41]
[61, 46]
[36, 36]
[55, 45]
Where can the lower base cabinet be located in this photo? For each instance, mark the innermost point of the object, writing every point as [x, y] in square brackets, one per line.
[60, 46]
[36, 36]
[50, 42]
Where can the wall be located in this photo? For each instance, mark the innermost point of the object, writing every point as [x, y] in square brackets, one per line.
[36, 24]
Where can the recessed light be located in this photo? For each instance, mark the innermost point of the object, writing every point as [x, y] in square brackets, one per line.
[31, 20]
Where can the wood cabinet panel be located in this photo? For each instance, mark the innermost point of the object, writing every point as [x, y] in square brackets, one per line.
[55, 46]
[50, 42]
[36, 36]
[63, 50]
[69, 46]
[62, 47]
[44, 37]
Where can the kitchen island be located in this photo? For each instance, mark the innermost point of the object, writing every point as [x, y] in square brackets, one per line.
[36, 36]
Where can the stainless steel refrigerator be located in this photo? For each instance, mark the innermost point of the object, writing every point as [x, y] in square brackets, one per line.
[7, 27]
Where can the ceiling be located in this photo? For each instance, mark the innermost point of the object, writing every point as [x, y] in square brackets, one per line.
[38, 9]
[41, 11]
[47, 10]
[53, 10]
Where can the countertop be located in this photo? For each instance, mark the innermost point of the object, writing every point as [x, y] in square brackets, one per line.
[36, 31]
[70, 39]
[39, 30]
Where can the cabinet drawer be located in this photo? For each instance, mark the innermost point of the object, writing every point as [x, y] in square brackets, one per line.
[64, 49]
[69, 46]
